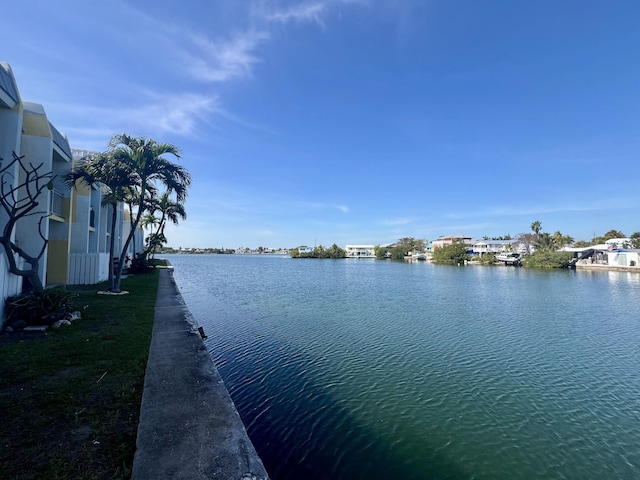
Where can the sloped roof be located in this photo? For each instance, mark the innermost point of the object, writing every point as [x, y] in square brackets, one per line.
[497, 242]
[7, 82]
[60, 140]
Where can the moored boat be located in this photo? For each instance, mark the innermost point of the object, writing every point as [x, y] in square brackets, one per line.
[509, 258]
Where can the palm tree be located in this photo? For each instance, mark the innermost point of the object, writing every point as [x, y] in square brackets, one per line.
[545, 242]
[104, 169]
[171, 210]
[536, 227]
[561, 240]
[144, 158]
[149, 220]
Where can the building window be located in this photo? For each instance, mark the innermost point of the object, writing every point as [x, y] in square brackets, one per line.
[56, 203]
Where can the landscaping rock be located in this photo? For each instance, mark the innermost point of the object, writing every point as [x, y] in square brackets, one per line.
[36, 328]
[60, 323]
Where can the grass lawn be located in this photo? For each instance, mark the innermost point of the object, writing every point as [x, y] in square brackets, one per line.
[70, 399]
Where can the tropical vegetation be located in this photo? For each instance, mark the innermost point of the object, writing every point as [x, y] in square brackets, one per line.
[104, 170]
[403, 247]
[455, 254]
[319, 252]
[132, 170]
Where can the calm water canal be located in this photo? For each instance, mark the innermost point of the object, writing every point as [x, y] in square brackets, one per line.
[364, 369]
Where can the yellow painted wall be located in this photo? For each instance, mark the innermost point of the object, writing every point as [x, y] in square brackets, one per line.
[57, 261]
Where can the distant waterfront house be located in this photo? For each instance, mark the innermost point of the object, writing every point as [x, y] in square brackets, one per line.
[604, 254]
[451, 239]
[360, 251]
[616, 243]
[624, 258]
[305, 249]
[484, 247]
[387, 248]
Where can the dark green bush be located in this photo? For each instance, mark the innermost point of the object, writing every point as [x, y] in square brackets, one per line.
[39, 309]
[546, 258]
[141, 264]
[455, 254]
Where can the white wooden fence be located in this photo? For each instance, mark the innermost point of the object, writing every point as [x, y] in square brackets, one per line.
[88, 268]
[9, 285]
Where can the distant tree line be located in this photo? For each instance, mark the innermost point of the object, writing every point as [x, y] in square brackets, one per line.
[198, 250]
[541, 249]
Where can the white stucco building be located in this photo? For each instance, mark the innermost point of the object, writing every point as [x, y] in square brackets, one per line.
[73, 220]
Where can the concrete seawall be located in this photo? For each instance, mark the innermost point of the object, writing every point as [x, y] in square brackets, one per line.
[189, 427]
[606, 268]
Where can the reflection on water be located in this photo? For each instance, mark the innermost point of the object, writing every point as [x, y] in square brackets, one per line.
[374, 369]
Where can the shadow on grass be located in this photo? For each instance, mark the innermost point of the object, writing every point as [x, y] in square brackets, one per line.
[70, 399]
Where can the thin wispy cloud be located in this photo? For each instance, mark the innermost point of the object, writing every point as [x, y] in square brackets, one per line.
[323, 206]
[500, 211]
[312, 12]
[179, 114]
[456, 229]
[160, 114]
[394, 222]
[225, 59]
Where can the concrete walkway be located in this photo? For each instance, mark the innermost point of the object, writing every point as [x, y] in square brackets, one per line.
[189, 427]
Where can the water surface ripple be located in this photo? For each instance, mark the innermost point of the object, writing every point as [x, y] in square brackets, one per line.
[372, 369]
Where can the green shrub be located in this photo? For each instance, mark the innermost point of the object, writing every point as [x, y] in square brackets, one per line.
[546, 258]
[141, 264]
[39, 309]
[455, 254]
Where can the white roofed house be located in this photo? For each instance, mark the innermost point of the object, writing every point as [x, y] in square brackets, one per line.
[496, 247]
[615, 243]
[612, 255]
[626, 258]
[451, 239]
[360, 251]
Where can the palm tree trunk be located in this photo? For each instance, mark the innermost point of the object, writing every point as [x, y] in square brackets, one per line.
[123, 254]
[112, 245]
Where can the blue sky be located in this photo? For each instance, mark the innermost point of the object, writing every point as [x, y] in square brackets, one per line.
[355, 121]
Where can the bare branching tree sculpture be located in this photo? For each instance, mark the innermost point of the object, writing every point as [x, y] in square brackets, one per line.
[20, 200]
